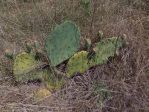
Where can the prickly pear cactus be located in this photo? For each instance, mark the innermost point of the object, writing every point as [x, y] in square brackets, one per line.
[78, 63]
[23, 64]
[41, 93]
[106, 48]
[63, 42]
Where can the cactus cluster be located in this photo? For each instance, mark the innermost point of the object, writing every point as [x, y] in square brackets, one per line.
[62, 44]
[103, 50]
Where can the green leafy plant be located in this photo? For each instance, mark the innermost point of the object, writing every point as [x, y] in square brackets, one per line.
[62, 42]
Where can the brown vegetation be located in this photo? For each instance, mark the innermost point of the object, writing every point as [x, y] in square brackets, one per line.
[126, 77]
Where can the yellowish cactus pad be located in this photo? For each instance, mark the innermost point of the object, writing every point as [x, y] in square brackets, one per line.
[78, 63]
[41, 93]
[23, 64]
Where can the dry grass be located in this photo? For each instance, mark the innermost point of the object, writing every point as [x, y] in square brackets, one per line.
[125, 77]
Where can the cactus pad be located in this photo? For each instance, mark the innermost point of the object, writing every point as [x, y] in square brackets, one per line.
[41, 93]
[23, 64]
[62, 42]
[78, 63]
[106, 48]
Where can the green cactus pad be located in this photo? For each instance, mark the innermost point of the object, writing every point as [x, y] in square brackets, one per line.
[78, 63]
[62, 42]
[23, 64]
[106, 48]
